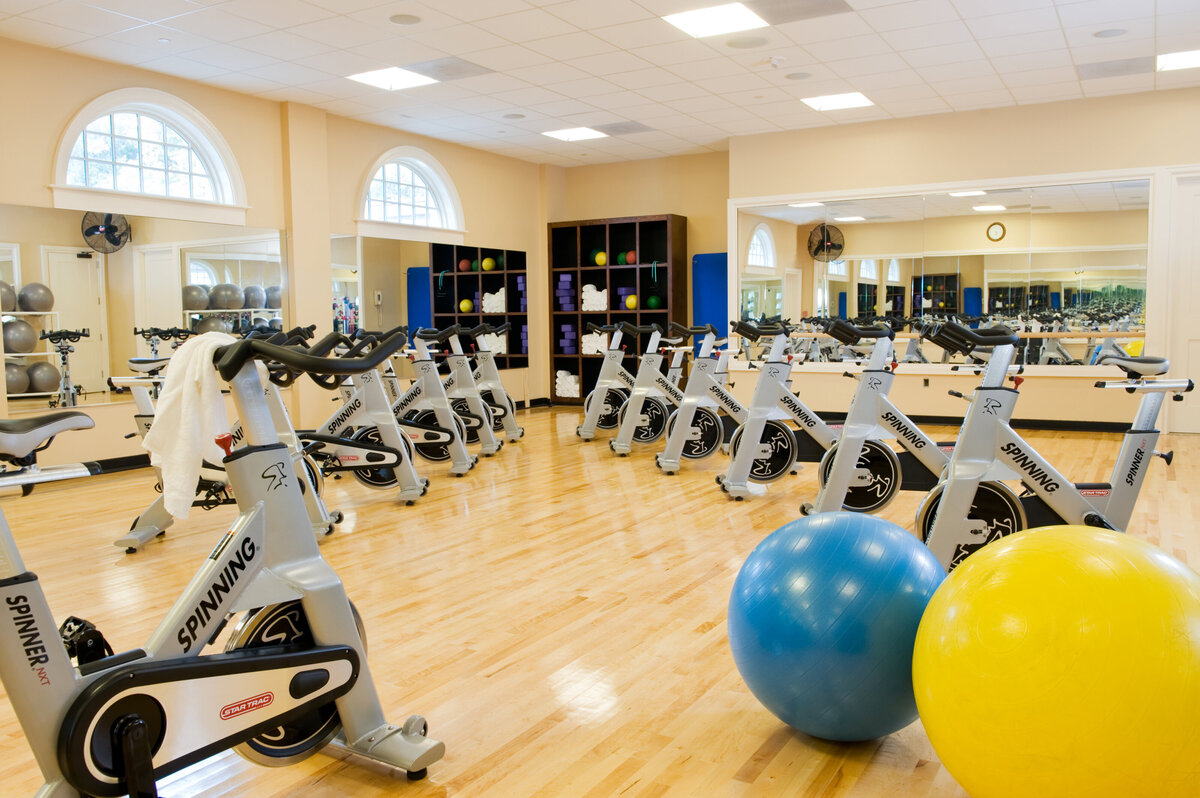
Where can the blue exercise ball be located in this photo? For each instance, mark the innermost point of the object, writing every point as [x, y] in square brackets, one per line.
[823, 619]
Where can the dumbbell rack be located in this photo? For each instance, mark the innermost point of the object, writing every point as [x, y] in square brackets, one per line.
[49, 322]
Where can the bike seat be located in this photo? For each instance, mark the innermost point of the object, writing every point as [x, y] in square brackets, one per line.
[20, 436]
[1138, 366]
[148, 365]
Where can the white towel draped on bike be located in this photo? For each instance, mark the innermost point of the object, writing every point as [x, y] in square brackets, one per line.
[189, 416]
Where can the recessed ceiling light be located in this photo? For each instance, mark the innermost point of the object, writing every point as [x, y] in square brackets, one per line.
[575, 134]
[849, 218]
[798, 75]
[514, 116]
[988, 208]
[836, 102]
[966, 193]
[164, 40]
[729, 18]
[1110, 33]
[805, 204]
[404, 19]
[1188, 59]
[392, 79]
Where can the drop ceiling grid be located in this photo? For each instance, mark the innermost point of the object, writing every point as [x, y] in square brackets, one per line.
[566, 63]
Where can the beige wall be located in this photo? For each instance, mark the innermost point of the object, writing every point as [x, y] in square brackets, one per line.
[1124, 131]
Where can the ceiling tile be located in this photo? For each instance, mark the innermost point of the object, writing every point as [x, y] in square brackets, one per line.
[971, 102]
[525, 26]
[587, 14]
[341, 62]
[1014, 24]
[1114, 51]
[1120, 85]
[215, 23]
[964, 85]
[83, 18]
[706, 103]
[272, 13]
[459, 39]
[508, 57]
[675, 52]
[641, 78]
[570, 46]
[562, 107]
[731, 83]
[937, 35]
[342, 88]
[759, 96]
[849, 48]
[825, 29]
[162, 41]
[1026, 43]
[1177, 79]
[148, 10]
[631, 35]
[1043, 60]
[397, 52]
[969, 69]
[1142, 28]
[45, 34]
[1034, 77]
[109, 50]
[550, 72]
[19, 6]
[947, 54]
[912, 91]
[1049, 92]
[969, 9]
[900, 76]
[287, 73]
[379, 16]
[534, 95]
[916, 13]
[231, 58]
[609, 63]
[472, 10]
[240, 81]
[618, 100]
[341, 32]
[283, 45]
[183, 67]
[682, 90]
[1099, 12]
[493, 82]
[344, 6]
[932, 105]
[868, 65]
[712, 67]
[585, 88]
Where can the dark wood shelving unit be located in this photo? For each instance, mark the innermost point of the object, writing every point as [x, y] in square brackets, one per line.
[895, 295]
[942, 291]
[452, 285]
[658, 278]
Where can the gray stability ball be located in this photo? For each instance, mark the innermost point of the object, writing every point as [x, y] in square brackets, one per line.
[213, 324]
[36, 298]
[255, 297]
[8, 297]
[225, 296]
[43, 378]
[19, 336]
[274, 296]
[195, 297]
[276, 324]
[16, 379]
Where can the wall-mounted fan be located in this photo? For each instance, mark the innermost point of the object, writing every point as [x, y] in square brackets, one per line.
[105, 232]
[826, 242]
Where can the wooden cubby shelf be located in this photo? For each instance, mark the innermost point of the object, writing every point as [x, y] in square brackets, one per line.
[453, 284]
[935, 294]
[583, 291]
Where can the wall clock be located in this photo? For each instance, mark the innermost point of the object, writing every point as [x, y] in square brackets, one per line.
[995, 231]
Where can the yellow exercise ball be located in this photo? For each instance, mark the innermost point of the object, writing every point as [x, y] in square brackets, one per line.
[601, 258]
[489, 264]
[1064, 662]
[631, 301]
[466, 306]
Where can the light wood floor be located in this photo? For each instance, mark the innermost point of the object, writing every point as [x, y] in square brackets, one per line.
[558, 615]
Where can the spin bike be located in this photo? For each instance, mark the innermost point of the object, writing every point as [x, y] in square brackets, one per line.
[970, 507]
[602, 407]
[491, 388]
[464, 396]
[213, 488]
[696, 429]
[22, 438]
[61, 340]
[643, 416]
[764, 447]
[860, 473]
[294, 675]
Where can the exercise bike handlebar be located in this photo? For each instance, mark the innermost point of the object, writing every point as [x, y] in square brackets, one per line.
[956, 338]
[230, 359]
[57, 336]
[592, 327]
[632, 329]
[487, 329]
[687, 332]
[438, 336]
[848, 333]
[754, 332]
[381, 334]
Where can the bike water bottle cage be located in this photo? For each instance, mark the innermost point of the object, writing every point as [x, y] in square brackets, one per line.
[1135, 367]
[847, 333]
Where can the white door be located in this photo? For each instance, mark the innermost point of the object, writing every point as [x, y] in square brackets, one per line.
[78, 286]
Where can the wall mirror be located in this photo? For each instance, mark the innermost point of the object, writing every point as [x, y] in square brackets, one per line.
[140, 285]
[1058, 259]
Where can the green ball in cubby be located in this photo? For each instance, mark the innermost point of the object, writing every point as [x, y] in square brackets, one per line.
[475, 265]
[654, 302]
[500, 261]
[620, 258]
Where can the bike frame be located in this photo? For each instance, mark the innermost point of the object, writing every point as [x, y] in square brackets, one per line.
[487, 378]
[650, 381]
[427, 392]
[702, 389]
[612, 375]
[261, 561]
[460, 384]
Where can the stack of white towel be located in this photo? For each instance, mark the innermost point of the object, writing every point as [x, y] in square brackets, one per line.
[494, 303]
[566, 383]
[593, 343]
[594, 299]
[497, 344]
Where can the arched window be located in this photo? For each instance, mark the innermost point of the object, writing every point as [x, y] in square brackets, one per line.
[155, 151]
[867, 270]
[407, 186]
[836, 268]
[894, 271]
[762, 249]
